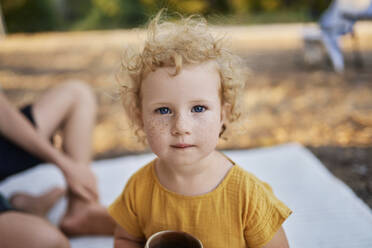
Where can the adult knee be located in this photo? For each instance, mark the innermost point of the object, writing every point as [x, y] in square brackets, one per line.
[24, 230]
[54, 239]
[82, 92]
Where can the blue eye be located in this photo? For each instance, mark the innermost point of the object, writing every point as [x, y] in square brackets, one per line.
[163, 110]
[198, 109]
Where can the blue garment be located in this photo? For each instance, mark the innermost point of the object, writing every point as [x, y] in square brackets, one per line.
[5, 205]
[14, 159]
[336, 22]
[333, 20]
[367, 14]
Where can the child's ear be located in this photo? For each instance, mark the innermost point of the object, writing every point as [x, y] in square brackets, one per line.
[225, 112]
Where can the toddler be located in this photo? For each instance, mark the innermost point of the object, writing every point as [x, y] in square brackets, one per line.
[182, 92]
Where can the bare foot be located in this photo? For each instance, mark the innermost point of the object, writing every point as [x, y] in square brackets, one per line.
[92, 219]
[38, 205]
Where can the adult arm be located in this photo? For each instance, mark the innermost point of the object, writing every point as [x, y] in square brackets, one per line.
[15, 127]
[123, 239]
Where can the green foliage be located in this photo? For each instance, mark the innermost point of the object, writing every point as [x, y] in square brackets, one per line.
[112, 14]
[30, 15]
[44, 15]
[287, 16]
[74, 10]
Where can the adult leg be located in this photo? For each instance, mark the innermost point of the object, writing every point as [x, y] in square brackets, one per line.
[38, 205]
[72, 107]
[25, 230]
[331, 43]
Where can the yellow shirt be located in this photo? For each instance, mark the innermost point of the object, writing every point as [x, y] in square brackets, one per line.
[241, 211]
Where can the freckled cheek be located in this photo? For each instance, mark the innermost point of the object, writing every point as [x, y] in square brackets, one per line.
[208, 130]
[154, 125]
[155, 129]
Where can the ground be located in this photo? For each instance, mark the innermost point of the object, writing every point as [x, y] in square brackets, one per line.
[286, 100]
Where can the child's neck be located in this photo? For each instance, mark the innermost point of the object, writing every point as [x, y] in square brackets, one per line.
[196, 179]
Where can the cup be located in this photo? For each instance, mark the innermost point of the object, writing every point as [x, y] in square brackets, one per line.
[173, 239]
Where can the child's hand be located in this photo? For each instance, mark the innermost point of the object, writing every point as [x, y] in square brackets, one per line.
[123, 239]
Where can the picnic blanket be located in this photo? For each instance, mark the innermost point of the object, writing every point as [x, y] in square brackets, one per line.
[326, 213]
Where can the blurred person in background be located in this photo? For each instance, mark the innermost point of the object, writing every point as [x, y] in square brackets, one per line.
[338, 20]
[25, 141]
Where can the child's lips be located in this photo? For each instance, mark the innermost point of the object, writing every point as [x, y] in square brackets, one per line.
[182, 146]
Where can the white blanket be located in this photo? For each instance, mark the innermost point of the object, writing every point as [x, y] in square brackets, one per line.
[326, 213]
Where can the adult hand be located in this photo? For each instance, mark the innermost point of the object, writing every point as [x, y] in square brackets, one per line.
[80, 179]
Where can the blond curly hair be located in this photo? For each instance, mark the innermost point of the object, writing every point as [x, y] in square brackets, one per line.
[172, 44]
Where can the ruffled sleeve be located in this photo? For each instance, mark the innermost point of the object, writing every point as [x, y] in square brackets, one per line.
[265, 214]
[124, 211]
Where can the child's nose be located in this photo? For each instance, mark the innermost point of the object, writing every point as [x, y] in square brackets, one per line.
[181, 125]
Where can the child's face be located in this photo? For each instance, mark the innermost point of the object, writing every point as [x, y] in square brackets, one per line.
[182, 115]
